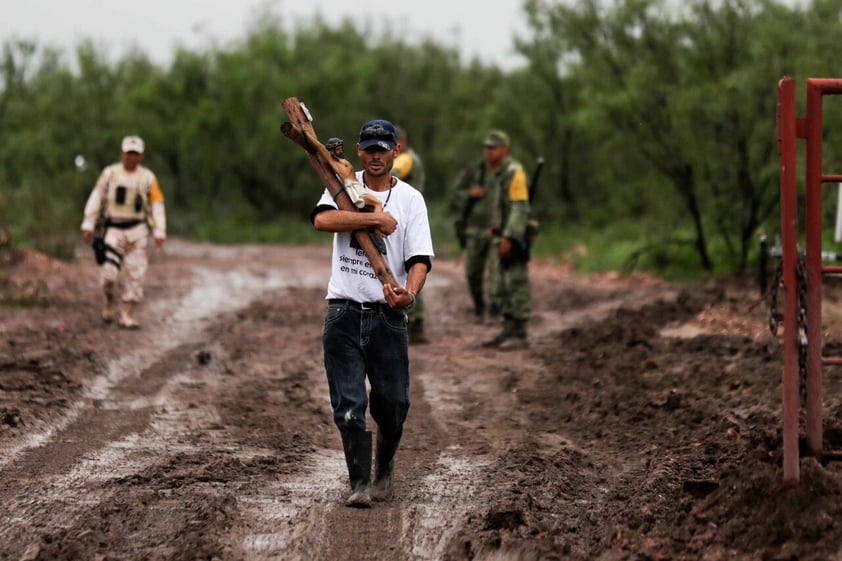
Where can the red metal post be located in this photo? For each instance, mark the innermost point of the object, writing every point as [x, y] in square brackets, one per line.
[816, 88]
[811, 128]
[789, 243]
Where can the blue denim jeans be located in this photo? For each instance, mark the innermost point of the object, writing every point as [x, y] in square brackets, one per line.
[367, 342]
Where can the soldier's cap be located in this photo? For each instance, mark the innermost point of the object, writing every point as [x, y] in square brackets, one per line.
[496, 138]
[378, 132]
[133, 144]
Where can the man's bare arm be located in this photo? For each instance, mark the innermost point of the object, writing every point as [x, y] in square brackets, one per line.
[398, 297]
[349, 220]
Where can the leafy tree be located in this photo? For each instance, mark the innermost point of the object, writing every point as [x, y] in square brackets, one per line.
[680, 94]
[649, 113]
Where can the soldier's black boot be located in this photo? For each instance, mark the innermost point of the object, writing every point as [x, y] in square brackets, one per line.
[508, 330]
[517, 338]
[357, 446]
[384, 463]
[415, 329]
[479, 307]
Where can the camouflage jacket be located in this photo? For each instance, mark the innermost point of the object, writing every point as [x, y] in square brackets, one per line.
[509, 190]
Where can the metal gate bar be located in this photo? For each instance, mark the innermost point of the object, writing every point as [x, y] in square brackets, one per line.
[789, 254]
[811, 128]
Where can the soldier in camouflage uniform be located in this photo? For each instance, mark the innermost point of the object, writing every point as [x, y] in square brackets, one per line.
[509, 191]
[408, 167]
[471, 205]
[128, 199]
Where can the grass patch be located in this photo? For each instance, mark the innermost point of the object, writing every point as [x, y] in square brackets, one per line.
[625, 247]
[32, 295]
[28, 302]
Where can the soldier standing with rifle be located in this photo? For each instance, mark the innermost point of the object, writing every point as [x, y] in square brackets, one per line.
[471, 204]
[509, 218]
[365, 333]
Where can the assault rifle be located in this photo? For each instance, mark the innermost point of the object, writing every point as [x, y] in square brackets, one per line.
[533, 185]
[469, 206]
[337, 175]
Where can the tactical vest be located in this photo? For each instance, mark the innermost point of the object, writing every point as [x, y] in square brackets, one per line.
[127, 193]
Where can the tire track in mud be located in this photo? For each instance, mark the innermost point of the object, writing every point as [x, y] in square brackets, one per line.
[464, 418]
[475, 392]
[125, 421]
[206, 299]
[436, 485]
[107, 441]
[134, 419]
[144, 435]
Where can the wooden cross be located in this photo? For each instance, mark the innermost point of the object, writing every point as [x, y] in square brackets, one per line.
[333, 171]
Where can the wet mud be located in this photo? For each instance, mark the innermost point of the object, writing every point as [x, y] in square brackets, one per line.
[642, 423]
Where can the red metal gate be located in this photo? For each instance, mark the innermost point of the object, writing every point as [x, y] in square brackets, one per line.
[810, 128]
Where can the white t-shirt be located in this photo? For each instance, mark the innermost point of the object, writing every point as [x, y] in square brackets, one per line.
[351, 275]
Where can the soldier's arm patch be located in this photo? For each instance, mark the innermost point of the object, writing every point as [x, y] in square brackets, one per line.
[155, 195]
[518, 191]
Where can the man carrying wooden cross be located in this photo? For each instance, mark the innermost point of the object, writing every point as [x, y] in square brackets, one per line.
[365, 331]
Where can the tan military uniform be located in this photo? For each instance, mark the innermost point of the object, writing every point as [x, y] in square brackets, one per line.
[131, 203]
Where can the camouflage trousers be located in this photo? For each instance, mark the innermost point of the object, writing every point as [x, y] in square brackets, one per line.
[480, 258]
[130, 258]
[515, 291]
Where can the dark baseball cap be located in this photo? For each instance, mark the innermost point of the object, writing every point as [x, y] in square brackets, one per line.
[378, 132]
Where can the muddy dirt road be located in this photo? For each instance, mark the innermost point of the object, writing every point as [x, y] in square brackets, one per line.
[642, 424]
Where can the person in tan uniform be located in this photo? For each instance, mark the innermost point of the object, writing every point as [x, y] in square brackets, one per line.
[128, 199]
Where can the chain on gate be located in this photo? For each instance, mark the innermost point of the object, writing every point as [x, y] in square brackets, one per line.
[776, 317]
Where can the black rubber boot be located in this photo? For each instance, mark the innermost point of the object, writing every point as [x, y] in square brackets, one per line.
[381, 489]
[357, 446]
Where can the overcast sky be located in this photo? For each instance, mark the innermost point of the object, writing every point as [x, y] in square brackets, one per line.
[477, 28]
